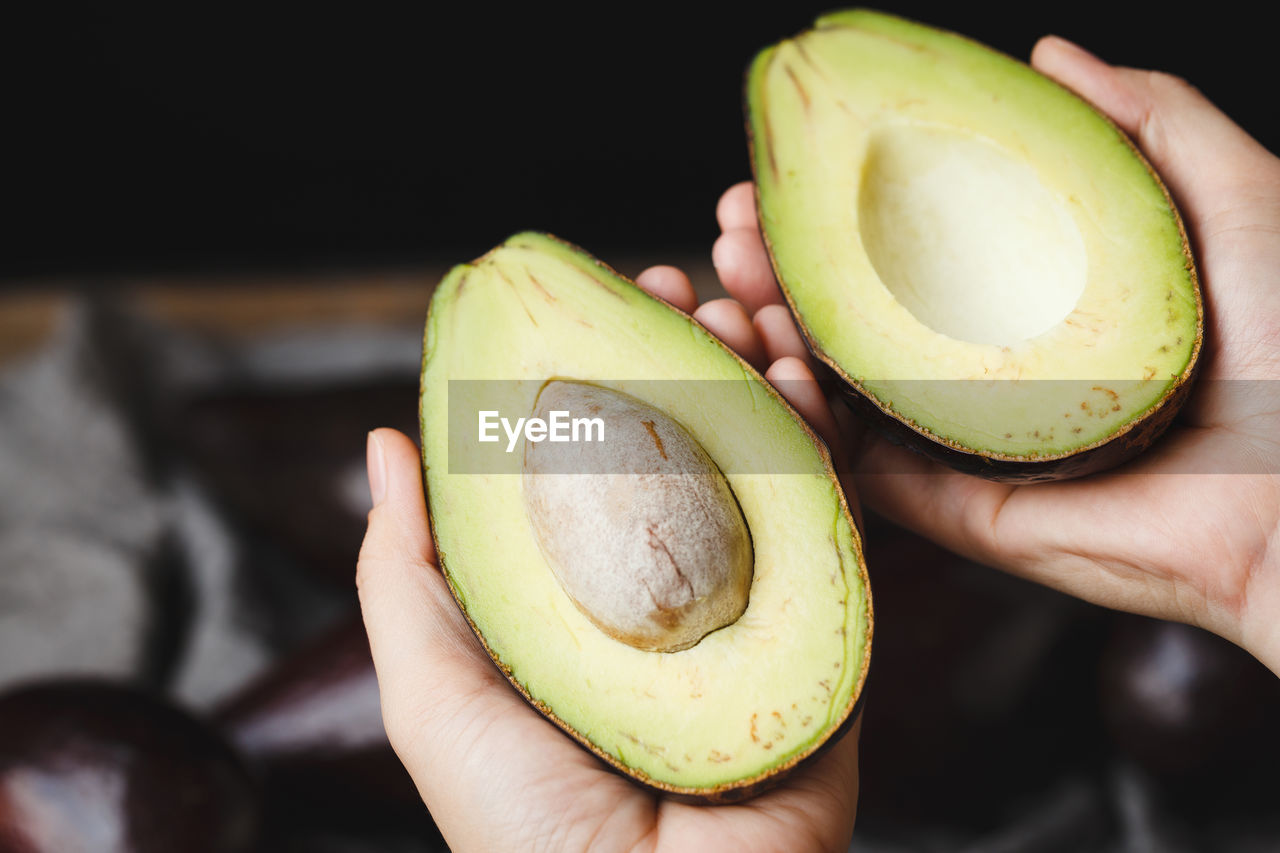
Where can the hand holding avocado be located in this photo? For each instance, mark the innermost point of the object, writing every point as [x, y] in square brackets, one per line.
[497, 775]
[1165, 535]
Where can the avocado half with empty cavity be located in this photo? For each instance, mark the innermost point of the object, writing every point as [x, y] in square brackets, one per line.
[681, 590]
[993, 271]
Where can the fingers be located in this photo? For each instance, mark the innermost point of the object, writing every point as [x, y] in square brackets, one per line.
[398, 526]
[418, 638]
[724, 318]
[743, 267]
[737, 207]
[826, 793]
[814, 809]
[836, 773]
[470, 743]
[1202, 155]
[779, 334]
[739, 255]
[671, 284]
[727, 320]
[793, 378]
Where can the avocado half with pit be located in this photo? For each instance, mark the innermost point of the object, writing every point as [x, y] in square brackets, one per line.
[993, 271]
[682, 591]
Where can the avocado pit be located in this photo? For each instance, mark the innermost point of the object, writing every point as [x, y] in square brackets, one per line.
[641, 530]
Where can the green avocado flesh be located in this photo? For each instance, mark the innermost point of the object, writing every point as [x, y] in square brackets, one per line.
[747, 701]
[937, 211]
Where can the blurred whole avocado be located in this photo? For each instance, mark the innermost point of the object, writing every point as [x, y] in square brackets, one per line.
[312, 726]
[1189, 707]
[289, 461]
[89, 766]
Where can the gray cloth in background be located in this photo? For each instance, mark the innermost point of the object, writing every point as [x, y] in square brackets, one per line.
[113, 561]
[82, 530]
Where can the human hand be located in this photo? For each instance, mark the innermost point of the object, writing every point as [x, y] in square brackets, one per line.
[494, 773]
[1151, 538]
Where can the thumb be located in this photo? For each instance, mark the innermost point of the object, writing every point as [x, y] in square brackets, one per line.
[1204, 157]
[424, 652]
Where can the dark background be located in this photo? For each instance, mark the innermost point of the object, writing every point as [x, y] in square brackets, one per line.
[198, 138]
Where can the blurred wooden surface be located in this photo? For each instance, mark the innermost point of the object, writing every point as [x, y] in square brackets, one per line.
[247, 305]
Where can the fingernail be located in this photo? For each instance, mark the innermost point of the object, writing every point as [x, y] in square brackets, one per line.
[376, 461]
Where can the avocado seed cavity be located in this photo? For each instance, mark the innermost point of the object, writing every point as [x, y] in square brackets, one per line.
[641, 529]
[967, 238]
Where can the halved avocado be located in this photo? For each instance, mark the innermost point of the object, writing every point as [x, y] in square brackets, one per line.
[731, 714]
[997, 276]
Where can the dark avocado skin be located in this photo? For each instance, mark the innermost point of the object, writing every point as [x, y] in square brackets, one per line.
[277, 459]
[91, 765]
[313, 728]
[1189, 707]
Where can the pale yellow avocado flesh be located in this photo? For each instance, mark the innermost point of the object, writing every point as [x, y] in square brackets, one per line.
[937, 211]
[748, 699]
